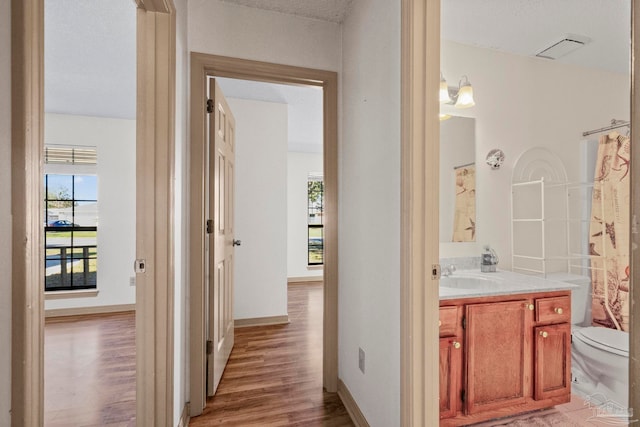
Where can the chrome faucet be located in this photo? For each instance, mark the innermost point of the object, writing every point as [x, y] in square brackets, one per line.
[448, 270]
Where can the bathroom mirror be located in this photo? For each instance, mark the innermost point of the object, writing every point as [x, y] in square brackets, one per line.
[458, 218]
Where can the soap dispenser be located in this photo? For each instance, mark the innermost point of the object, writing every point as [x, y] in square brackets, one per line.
[488, 260]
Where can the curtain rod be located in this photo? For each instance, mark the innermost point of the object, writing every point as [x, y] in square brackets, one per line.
[464, 166]
[615, 124]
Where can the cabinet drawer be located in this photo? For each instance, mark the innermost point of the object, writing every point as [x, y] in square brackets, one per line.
[448, 321]
[553, 310]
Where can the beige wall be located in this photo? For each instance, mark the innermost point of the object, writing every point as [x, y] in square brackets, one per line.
[5, 210]
[115, 141]
[260, 270]
[226, 29]
[369, 292]
[524, 102]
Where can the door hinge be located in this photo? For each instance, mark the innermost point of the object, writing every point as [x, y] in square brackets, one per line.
[209, 106]
[209, 346]
[209, 226]
[435, 272]
[464, 322]
[463, 395]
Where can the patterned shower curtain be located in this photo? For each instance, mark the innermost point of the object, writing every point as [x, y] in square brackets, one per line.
[464, 220]
[609, 233]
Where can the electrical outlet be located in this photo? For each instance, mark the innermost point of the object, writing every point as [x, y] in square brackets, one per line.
[132, 281]
[361, 359]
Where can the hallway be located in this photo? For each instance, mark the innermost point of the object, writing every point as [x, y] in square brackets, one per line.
[274, 375]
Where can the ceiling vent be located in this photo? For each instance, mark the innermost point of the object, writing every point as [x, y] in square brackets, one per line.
[564, 46]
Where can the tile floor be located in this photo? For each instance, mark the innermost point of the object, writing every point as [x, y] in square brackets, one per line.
[578, 411]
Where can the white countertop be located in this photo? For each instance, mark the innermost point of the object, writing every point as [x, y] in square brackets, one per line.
[473, 283]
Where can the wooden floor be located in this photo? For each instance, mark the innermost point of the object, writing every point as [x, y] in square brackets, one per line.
[274, 375]
[90, 371]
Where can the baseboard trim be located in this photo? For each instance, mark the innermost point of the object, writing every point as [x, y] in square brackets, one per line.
[80, 311]
[261, 321]
[305, 279]
[185, 418]
[351, 406]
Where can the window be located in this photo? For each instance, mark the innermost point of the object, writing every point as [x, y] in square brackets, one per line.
[315, 209]
[71, 220]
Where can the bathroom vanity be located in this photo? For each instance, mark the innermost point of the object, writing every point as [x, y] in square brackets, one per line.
[505, 346]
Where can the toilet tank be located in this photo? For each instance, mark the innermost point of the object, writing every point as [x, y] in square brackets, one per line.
[580, 296]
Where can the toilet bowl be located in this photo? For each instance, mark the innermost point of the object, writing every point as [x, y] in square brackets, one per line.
[600, 364]
[599, 356]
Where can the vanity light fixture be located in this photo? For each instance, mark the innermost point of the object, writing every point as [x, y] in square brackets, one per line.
[444, 91]
[460, 97]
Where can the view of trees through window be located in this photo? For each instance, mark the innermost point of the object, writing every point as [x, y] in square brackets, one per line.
[315, 208]
[71, 224]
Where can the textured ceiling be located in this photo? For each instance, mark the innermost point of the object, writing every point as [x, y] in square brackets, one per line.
[90, 45]
[525, 27]
[325, 10]
[90, 58]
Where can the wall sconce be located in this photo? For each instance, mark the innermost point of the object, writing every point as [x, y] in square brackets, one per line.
[460, 97]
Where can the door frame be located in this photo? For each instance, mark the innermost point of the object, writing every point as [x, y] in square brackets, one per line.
[154, 219]
[420, 149]
[419, 228]
[202, 67]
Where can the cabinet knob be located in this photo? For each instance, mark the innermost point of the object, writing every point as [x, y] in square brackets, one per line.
[544, 334]
[558, 310]
[530, 306]
[456, 344]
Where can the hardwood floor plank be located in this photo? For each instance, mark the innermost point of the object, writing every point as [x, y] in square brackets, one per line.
[90, 370]
[274, 374]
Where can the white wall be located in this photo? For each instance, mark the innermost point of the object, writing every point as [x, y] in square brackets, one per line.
[523, 102]
[227, 29]
[299, 166]
[115, 142]
[181, 325]
[369, 199]
[5, 211]
[260, 208]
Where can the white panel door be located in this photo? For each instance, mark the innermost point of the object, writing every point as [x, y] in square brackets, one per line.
[221, 140]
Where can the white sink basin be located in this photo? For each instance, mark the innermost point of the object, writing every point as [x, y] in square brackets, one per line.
[475, 283]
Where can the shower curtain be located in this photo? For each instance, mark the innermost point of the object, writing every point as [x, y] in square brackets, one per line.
[609, 233]
[464, 220]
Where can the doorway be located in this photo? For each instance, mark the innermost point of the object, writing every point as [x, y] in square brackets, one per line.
[203, 66]
[154, 133]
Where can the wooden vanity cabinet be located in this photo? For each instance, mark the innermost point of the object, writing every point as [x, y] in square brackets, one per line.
[515, 355]
[498, 354]
[552, 337]
[450, 360]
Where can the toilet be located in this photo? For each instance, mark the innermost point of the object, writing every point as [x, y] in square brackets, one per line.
[599, 356]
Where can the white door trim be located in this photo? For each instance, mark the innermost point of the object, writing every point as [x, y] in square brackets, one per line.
[203, 66]
[419, 360]
[155, 137]
[155, 174]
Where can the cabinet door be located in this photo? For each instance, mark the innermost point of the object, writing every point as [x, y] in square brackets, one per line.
[498, 354]
[450, 371]
[552, 361]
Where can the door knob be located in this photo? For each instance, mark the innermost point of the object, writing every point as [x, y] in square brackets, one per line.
[237, 242]
[544, 334]
[456, 344]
